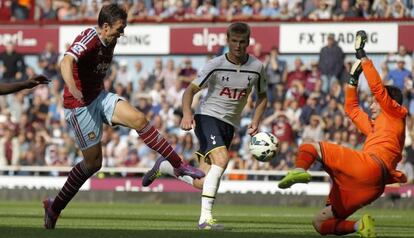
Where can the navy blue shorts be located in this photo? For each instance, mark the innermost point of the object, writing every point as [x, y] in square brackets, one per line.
[212, 133]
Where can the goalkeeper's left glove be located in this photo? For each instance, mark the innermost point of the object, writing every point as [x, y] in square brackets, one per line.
[356, 70]
[360, 40]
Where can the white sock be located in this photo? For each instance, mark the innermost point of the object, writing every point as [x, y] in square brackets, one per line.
[186, 179]
[167, 168]
[210, 187]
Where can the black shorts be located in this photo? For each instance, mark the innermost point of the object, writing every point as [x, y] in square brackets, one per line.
[212, 133]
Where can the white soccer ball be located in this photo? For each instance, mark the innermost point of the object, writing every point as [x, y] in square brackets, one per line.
[263, 146]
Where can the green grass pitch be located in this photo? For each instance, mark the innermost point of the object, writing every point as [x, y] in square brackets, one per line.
[100, 220]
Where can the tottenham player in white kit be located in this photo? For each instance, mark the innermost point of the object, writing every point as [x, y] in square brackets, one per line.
[230, 79]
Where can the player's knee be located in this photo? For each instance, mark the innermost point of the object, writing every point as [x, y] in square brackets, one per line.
[94, 165]
[311, 148]
[140, 122]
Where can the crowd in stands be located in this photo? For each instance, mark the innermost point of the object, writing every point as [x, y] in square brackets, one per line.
[179, 10]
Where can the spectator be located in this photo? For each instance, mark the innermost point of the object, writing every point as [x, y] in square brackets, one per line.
[47, 12]
[13, 63]
[331, 62]
[276, 72]
[324, 11]
[298, 74]
[5, 12]
[9, 148]
[400, 75]
[187, 73]
[169, 75]
[20, 9]
[363, 8]
[314, 131]
[258, 52]
[345, 11]
[207, 10]
[138, 11]
[48, 61]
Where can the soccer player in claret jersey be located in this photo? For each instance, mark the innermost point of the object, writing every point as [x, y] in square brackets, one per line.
[87, 106]
[230, 79]
[358, 177]
[6, 88]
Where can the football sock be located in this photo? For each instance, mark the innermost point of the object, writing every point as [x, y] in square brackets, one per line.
[210, 187]
[76, 178]
[154, 140]
[337, 227]
[306, 156]
[166, 168]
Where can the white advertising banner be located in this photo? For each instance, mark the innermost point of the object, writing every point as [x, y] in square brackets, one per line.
[34, 182]
[137, 39]
[270, 187]
[310, 38]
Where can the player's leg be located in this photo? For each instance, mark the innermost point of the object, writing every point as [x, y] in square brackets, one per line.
[219, 159]
[85, 125]
[326, 223]
[307, 154]
[127, 115]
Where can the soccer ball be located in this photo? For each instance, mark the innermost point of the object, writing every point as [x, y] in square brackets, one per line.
[263, 146]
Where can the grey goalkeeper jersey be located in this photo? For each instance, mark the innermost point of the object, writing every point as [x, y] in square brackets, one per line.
[229, 86]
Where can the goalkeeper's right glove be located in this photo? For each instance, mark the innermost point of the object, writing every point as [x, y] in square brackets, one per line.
[356, 70]
[360, 40]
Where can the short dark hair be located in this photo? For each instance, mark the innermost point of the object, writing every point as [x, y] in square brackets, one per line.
[395, 93]
[238, 28]
[110, 14]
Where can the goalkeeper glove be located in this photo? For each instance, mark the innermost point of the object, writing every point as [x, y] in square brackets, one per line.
[360, 40]
[356, 70]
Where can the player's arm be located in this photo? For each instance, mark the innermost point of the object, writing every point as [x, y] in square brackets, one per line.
[352, 109]
[6, 88]
[187, 122]
[66, 69]
[386, 103]
[261, 103]
[260, 108]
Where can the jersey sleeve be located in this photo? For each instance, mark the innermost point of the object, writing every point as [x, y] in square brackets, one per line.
[354, 112]
[82, 44]
[387, 104]
[261, 85]
[204, 75]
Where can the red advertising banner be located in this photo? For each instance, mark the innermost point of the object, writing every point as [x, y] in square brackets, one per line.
[208, 40]
[406, 36]
[134, 185]
[29, 41]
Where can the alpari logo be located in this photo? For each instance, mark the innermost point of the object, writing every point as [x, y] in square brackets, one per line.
[210, 39]
[17, 39]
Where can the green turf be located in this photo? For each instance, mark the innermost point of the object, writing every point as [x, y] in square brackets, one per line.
[100, 220]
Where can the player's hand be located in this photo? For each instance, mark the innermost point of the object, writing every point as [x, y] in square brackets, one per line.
[356, 70]
[252, 129]
[360, 40]
[76, 94]
[187, 123]
[36, 80]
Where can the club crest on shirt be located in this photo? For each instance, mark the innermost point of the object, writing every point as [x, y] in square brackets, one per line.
[92, 135]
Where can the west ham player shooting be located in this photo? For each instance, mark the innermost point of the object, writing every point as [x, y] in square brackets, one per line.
[88, 105]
